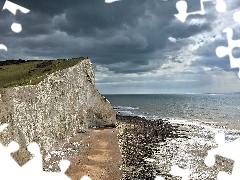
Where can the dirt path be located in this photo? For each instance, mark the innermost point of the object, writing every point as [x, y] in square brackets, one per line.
[100, 158]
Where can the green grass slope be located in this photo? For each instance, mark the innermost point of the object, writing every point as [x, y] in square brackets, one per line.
[20, 72]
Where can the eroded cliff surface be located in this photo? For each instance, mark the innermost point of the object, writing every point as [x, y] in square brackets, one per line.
[55, 109]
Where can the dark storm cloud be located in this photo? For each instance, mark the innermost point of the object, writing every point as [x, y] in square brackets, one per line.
[129, 36]
[128, 32]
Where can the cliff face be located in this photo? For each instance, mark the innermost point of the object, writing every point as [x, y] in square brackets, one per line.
[62, 104]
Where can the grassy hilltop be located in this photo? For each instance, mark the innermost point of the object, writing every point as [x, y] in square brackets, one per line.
[22, 72]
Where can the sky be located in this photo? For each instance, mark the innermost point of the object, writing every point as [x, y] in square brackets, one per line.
[136, 46]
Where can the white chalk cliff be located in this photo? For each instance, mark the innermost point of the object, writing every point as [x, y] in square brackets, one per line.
[55, 109]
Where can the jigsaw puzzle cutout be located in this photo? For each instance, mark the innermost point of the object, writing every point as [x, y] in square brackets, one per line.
[222, 51]
[177, 171]
[182, 7]
[229, 151]
[32, 169]
[236, 16]
[16, 27]
[221, 6]
[85, 178]
[12, 7]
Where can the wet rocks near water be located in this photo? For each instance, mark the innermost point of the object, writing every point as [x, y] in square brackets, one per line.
[151, 148]
[137, 138]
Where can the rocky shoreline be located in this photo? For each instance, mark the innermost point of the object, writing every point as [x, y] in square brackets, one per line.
[151, 148]
[137, 139]
[143, 149]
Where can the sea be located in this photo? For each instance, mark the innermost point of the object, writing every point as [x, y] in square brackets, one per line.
[216, 107]
[200, 114]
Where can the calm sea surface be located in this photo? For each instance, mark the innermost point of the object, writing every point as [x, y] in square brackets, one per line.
[195, 113]
[179, 106]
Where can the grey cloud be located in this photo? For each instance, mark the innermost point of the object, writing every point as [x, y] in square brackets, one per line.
[154, 85]
[208, 57]
[128, 36]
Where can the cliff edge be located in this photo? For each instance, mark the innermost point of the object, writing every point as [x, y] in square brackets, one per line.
[64, 103]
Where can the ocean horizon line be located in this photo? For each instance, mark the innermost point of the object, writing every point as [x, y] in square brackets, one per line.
[210, 93]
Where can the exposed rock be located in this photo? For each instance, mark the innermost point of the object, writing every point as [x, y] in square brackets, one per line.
[138, 139]
[64, 103]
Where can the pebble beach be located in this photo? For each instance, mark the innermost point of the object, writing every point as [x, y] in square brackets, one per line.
[150, 148]
[144, 149]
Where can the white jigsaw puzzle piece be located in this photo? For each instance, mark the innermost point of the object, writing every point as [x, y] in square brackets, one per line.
[12, 7]
[55, 175]
[229, 151]
[177, 171]
[7, 164]
[5, 125]
[16, 27]
[221, 6]
[222, 51]
[33, 168]
[236, 16]
[182, 7]
[64, 165]
[2, 46]
[85, 178]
